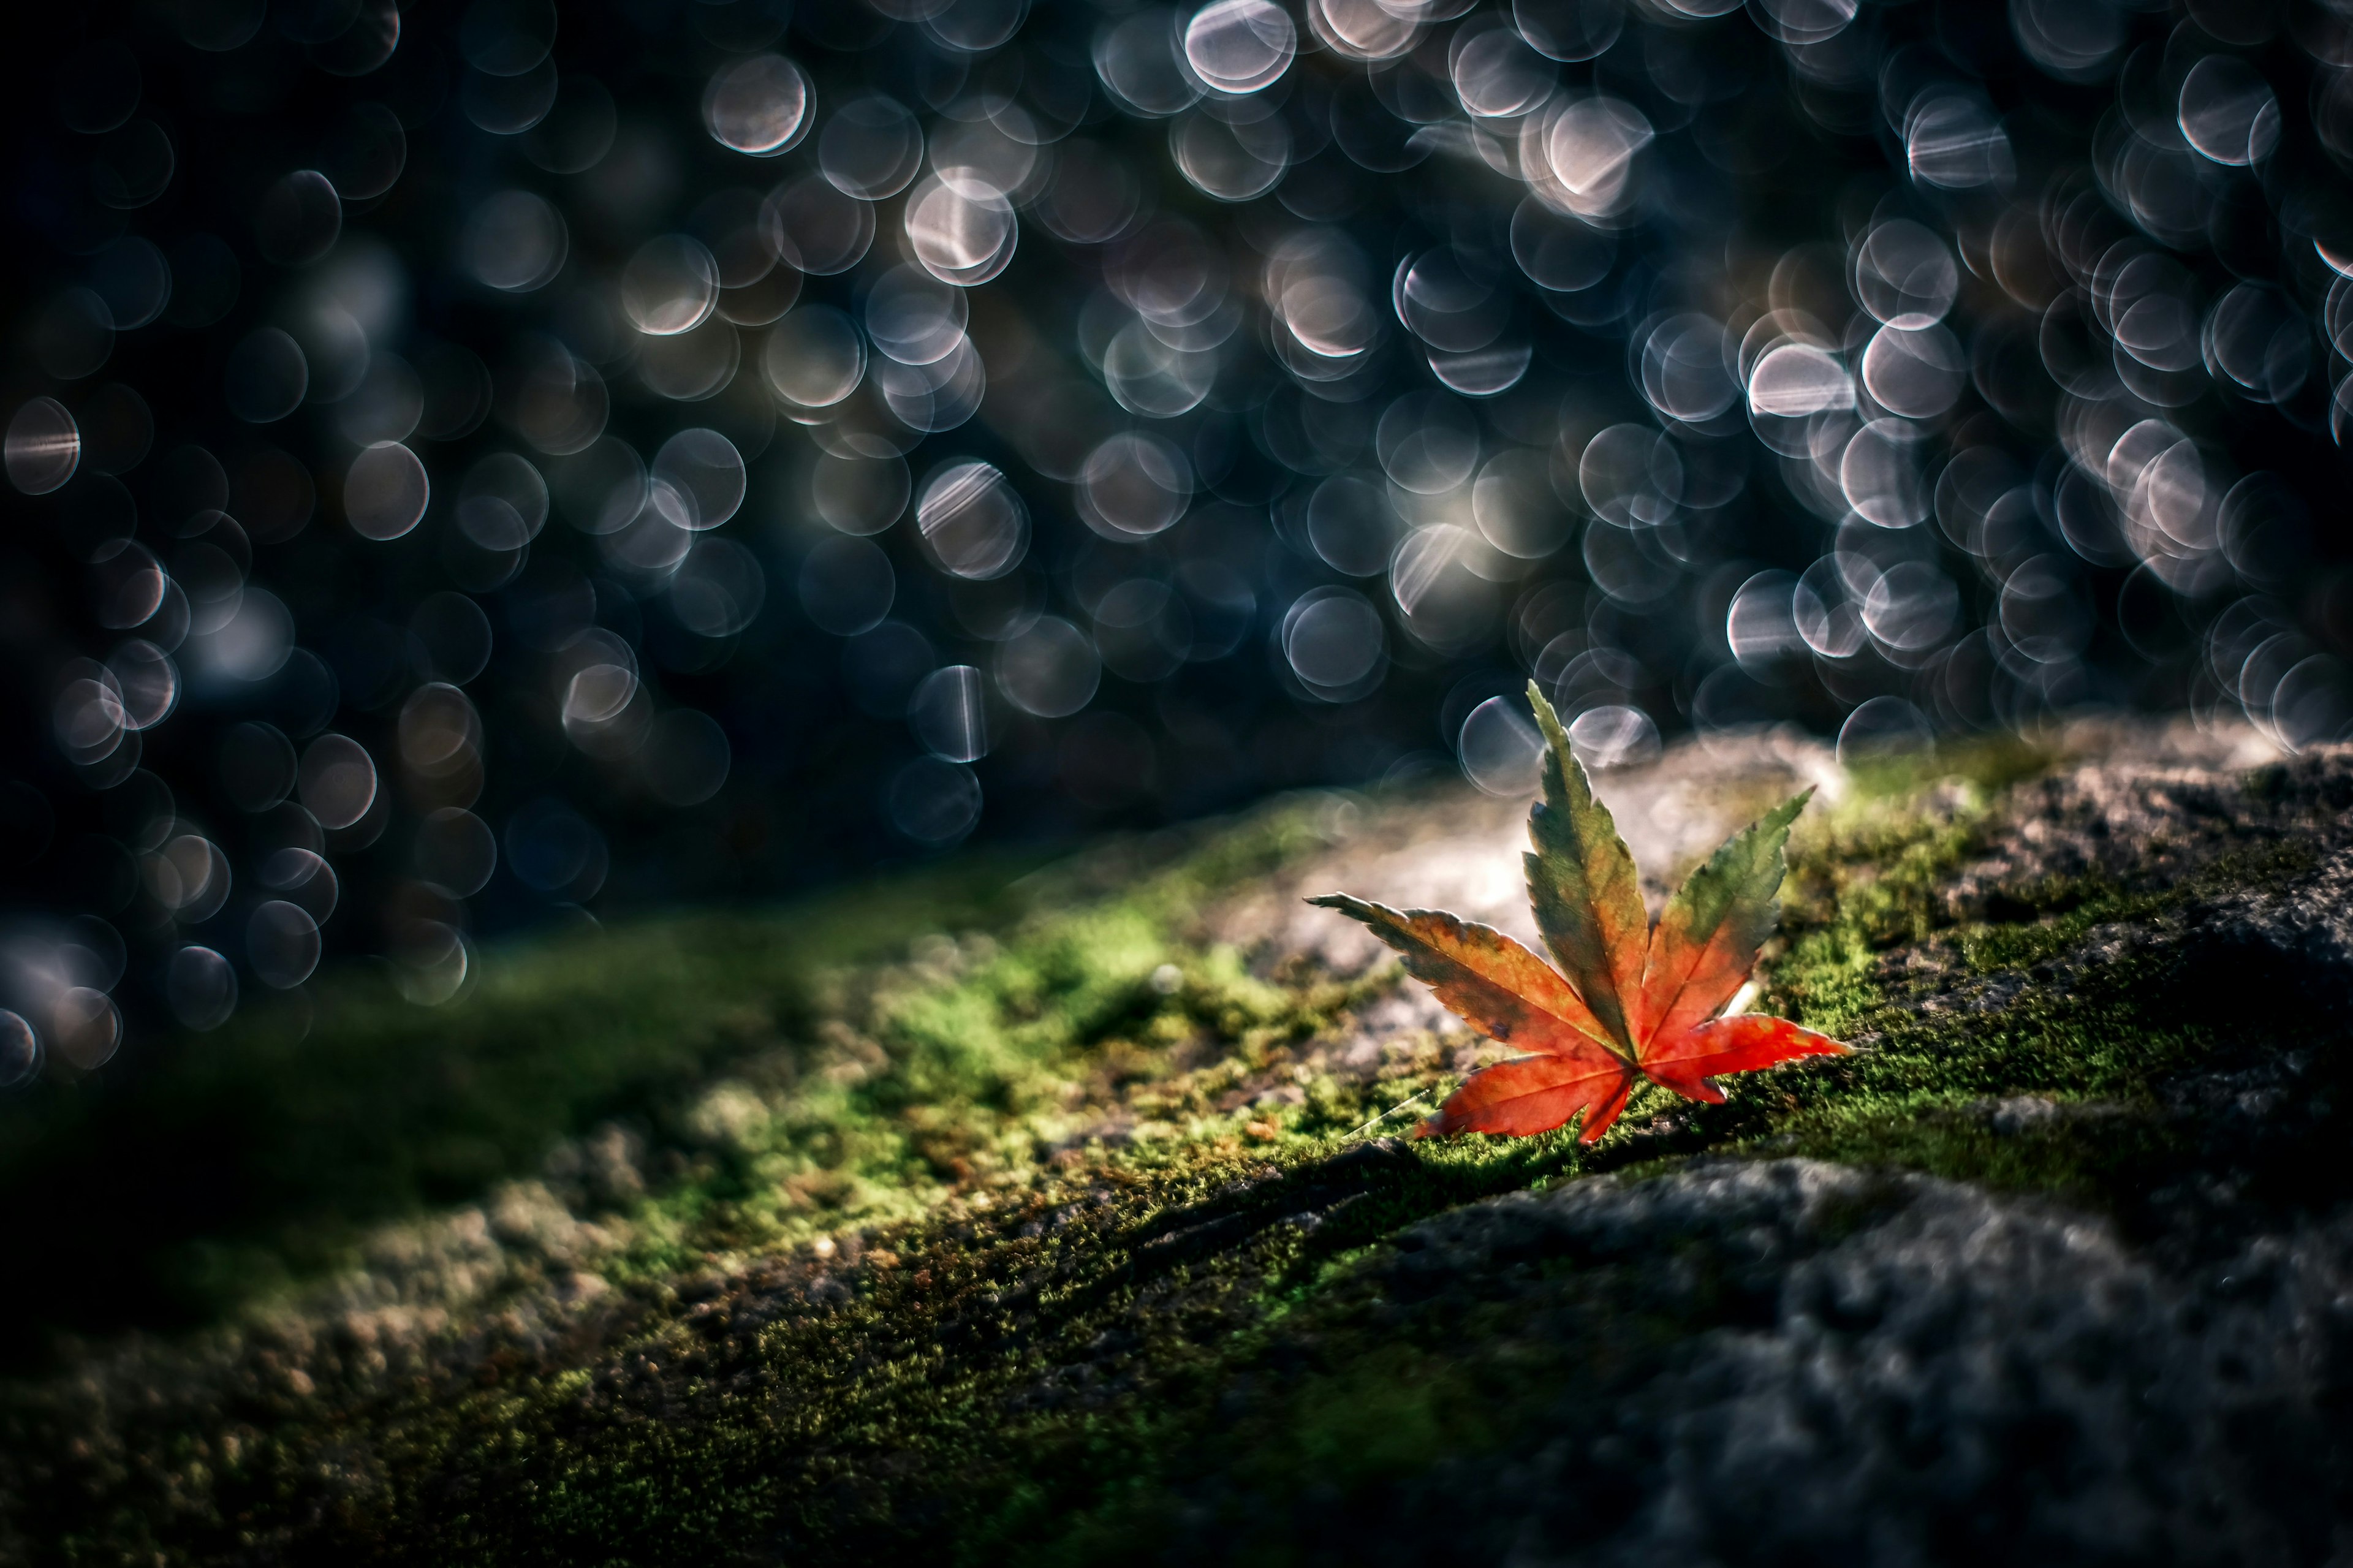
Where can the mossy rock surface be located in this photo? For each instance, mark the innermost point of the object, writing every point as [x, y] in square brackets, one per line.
[1015, 1214]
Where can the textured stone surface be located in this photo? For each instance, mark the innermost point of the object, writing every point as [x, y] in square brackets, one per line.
[1924, 1373]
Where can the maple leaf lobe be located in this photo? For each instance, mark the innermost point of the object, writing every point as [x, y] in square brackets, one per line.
[1486, 977]
[1706, 941]
[1582, 885]
[1535, 1094]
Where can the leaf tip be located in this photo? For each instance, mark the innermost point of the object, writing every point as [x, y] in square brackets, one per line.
[1780, 820]
[1548, 720]
[1348, 904]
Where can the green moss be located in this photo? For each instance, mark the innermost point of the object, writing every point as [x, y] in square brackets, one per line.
[259, 1151]
[944, 1383]
[237, 1163]
[1987, 763]
[1099, 1278]
[1374, 1416]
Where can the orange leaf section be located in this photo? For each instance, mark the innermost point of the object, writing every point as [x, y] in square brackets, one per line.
[1708, 936]
[1692, 974]
[1740, 1044]
[1535, 1094]
[1492, 982]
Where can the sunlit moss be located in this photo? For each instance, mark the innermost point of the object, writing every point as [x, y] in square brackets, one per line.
[301, 1124]
[1987, 763]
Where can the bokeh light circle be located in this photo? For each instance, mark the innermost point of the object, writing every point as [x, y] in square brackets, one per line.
[758, 105]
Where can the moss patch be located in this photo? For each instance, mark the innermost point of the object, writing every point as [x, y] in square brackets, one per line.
[1043, 1236]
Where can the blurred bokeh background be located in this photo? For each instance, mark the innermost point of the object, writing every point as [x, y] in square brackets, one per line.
[472, 465]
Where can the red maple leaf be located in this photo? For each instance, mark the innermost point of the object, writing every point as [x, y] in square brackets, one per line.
[1629, 1001]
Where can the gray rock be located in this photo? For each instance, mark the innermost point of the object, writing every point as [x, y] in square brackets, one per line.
[1913, 1371]
[2301, 936]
